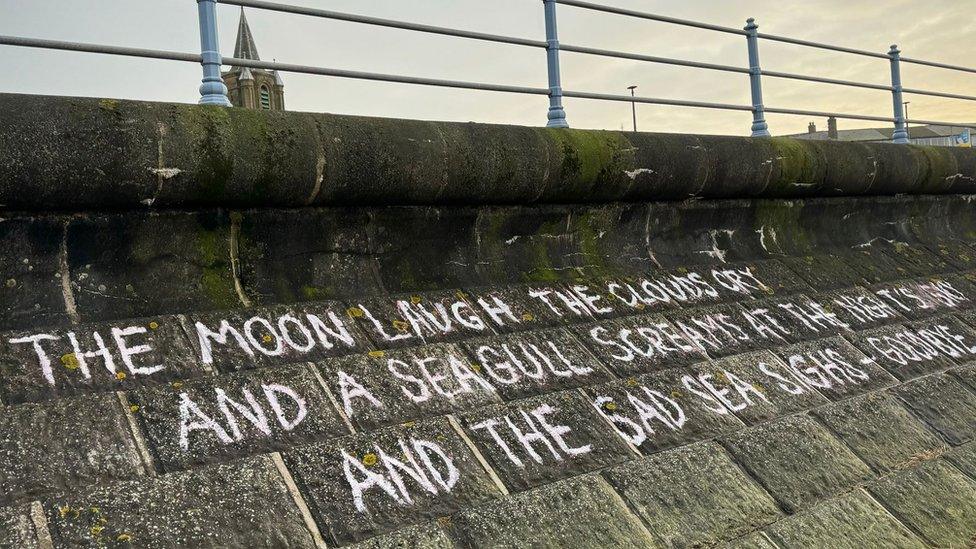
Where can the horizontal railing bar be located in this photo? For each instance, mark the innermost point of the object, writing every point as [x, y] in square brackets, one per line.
[654, 100]
[650, 16]
[822, 80]
[367, 20]
[939, 94]
[938, 65]
[821, 114]
[819, 45]
[651, 58]
[360, 75]
[98, 48]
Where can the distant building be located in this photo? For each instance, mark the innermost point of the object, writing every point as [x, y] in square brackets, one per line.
[938, 136]
[252, 88]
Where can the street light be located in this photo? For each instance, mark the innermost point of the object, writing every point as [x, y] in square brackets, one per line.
[633, 105]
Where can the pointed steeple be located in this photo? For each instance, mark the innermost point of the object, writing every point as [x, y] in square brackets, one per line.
[245, 47]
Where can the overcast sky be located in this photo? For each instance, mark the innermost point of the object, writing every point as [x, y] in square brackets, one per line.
[940, 30]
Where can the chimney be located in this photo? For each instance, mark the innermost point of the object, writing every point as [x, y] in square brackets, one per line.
[832, 128]
[812, 128]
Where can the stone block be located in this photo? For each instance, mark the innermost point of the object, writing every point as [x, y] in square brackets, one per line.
[235, 415]
[881, 432]
[944, 404]
[388, 387]
[543, 439]
[834, 368]
[797, 461]
[110, 356]
[580, 512]
[364, 485]
[694, 496]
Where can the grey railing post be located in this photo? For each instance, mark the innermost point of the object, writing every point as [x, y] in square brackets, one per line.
[557, 115]
[759, 126]
[901, 124]
[212, 91]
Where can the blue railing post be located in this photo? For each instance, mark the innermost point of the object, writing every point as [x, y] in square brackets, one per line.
[212, 91]
[901, 125]
[759, 126]
[557, 115]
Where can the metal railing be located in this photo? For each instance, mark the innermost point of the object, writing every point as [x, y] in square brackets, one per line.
[213, 91]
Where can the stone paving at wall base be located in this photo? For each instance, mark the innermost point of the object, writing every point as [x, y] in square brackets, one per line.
[711, 424]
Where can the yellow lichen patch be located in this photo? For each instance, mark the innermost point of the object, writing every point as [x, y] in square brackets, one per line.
[409, 424]
[377, 354]
[676, 394]
[123, 537]
[97, 530]
[476, 367]
[134, 408]
[120, 376]
[177, 384]
[95, 510]
[640, 306]
[401, 326]
[369, 459]
[527, 317]
[461, 295]
[70, 361]
[154, 325]
[354, 312]
[64, 510]
[267, 338]
[416, 299]
[631, 382]
[610, 406]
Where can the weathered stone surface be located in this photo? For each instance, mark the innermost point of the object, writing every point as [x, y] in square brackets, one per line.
[580, 512]
[512, 309]
[16, 528]
[909, 351]
[935, 499]
[369, 484]
[230, 416]
[415, 319]
[661, 410]
[174, 262]
[881, 432]
[387, 387]
[522, 365]
[640, 344]
[964, 458]
[834, 368]
[107, 356]
[756, 387]
[874, 266]
[423, 536]
[715, 330]
[850, 521]
[859, 308]
[30, 284]
[756, 540]
[273, 336]
[923, 297]
[693, 496]
[242, 504]
[966, 374]
[544, 439]
[956, 253]
[823, 272]
[944, 404]
[797, 461]
[916, 259]
[789, 319]
[69, 443]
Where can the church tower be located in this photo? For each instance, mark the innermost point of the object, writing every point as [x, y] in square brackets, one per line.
[252, 88]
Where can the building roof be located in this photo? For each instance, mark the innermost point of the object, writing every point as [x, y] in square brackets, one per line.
[885, 134]
[245, 48]
[249, 329]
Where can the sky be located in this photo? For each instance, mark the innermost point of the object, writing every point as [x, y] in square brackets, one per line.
[938, 30]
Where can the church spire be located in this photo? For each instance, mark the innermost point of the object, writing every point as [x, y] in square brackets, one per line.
[245, 47]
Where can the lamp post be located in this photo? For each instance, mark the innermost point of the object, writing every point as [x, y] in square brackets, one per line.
[633, 105]
[906, 110]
